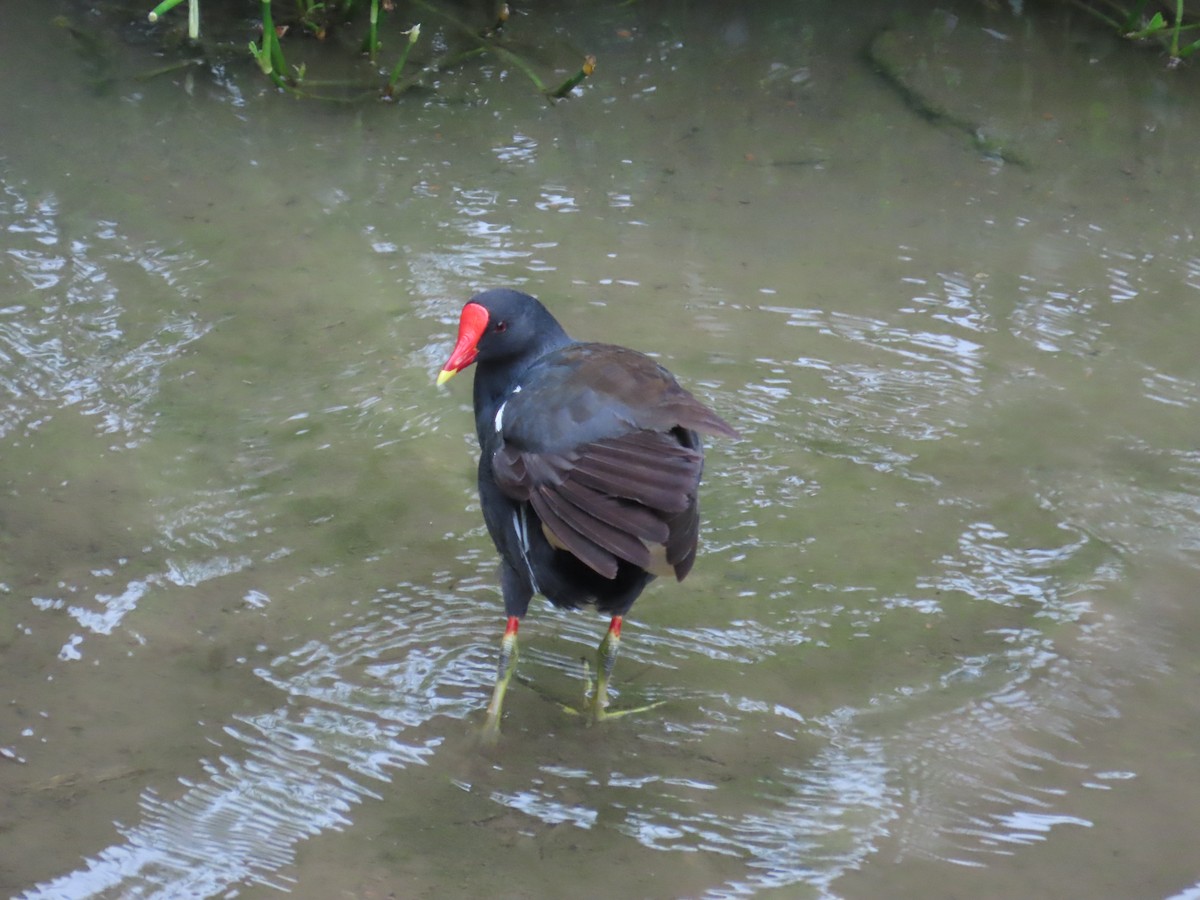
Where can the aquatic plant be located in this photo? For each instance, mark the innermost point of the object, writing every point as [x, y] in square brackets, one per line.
[1129, 20]
[193, 15]
[270, 56]
[317, 18]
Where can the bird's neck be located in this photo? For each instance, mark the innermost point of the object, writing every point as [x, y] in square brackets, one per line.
[496, 379]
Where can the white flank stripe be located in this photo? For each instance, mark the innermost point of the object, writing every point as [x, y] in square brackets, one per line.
[498, 422]
[522, 530]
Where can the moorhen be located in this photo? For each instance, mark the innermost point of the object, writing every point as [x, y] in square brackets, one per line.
[589, 467]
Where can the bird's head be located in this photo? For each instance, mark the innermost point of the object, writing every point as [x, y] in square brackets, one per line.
[500, 326]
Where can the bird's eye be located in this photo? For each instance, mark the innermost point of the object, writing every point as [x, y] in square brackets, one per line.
[501, 327]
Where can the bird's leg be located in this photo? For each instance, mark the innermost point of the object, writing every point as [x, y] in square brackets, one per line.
[606, 658]
[596, 708]
[504, 674]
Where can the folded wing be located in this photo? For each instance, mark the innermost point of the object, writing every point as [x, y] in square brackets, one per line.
[630, 497]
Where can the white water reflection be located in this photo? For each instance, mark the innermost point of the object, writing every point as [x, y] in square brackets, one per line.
[241, 826]
[918, 397]
[75, 343]
[521, 151]
[987, 567]
[979, 786]
[286, 775]
[958, 302]
[798, 836]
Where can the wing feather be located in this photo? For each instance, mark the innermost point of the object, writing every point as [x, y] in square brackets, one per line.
[573, 540]
[638, 520]
[602, 444]
[613, 499]
[650, 468]
[581, 524]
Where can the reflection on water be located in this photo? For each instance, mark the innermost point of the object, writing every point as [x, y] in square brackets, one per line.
[979, 786]
[244, 564]
[987, 568]
[288, 774]
[933, 371]
[73, 343]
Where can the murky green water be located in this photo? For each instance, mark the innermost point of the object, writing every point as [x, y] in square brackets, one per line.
[940, 640]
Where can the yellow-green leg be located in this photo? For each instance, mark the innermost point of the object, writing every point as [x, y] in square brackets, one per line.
[504, 674]
[606, 657]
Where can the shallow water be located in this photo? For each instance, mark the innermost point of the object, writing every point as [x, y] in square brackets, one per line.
[939, 641]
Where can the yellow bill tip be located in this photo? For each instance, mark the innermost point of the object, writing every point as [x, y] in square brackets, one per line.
[445, 375]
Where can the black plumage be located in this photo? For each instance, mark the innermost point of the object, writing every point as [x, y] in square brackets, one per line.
[589, 469]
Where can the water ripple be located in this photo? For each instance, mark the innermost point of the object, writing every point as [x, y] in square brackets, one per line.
[914, 384]
[1057, 320]
[989, 568]
[356, 708]
[75, 343]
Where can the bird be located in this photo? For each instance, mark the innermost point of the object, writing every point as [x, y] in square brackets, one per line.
[589, 471]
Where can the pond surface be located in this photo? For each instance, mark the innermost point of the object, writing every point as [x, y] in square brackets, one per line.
[941, 637]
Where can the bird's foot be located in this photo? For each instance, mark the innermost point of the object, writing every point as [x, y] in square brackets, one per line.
[594, 713]
[599, 714]
[595, 705]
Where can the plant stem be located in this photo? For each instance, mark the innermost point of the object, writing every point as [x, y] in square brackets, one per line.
[163, 7]
[413, 34]
[167, 69]
[373, 34]
[505, 53]
[1175, 31]
[1091, 10]
[270, 57]
[588, 67]
[487, 45]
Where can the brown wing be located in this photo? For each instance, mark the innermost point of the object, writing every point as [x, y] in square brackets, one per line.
[584, 393]
[601, 441]
[630, 497]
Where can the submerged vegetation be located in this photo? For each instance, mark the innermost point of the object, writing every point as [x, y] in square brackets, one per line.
[355, 50]
[1140, 20]
[390, 31]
